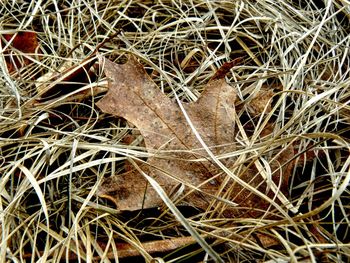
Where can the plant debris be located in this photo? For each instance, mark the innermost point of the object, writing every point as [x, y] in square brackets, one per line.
[243, 120]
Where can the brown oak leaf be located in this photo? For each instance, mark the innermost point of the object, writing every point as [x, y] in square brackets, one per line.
[177, 157]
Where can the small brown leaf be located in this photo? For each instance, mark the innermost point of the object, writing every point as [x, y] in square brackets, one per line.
[67, 79]
[71, 77]
[261, 103]
[169, 137]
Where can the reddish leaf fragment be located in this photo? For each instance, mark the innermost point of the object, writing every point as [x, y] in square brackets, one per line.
[225, 68]
[25, 42]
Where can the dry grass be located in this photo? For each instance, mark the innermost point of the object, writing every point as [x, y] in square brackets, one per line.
[55, 153]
